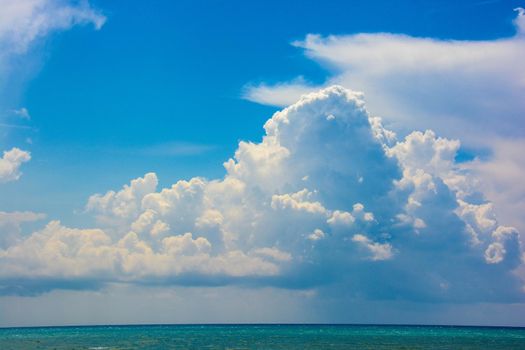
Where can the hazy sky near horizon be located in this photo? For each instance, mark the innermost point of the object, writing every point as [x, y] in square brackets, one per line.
[231, 161]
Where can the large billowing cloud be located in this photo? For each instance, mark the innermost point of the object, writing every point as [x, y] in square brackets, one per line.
[473, 90]
[328, 198]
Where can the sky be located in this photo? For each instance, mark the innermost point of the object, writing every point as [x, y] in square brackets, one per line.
[233, 161]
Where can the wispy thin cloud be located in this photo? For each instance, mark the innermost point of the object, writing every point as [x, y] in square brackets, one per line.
[22, 113]
[22, 25]
[15, 126]
[23, 22]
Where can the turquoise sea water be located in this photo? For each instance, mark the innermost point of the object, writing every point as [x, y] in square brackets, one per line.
[262, 337]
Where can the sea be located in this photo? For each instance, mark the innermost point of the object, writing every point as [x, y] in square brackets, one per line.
[275, 336]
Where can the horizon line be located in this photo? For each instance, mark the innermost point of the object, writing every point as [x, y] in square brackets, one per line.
[263, 324]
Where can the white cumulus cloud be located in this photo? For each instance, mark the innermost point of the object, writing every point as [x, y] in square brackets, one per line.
[11, 225]
[10, 164]
[320, 201]
[378, 251]
[471, 90]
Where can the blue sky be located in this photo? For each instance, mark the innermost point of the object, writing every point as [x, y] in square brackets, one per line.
[172, 87]
[173, 72]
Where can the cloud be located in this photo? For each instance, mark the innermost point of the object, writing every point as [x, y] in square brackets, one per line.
[379, 251]
[22, 113]
[23, 25]
[461, 89]
[501, 177]
[11, 225]
[17, 115]
[121, 207]
[19, 217]
[15, 126]
[10, 164]
[24, 22]
[316, 235]
[281, 94]
[328, 201]
[445, 85]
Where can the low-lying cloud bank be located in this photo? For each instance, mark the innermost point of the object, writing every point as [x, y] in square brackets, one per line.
[329, 197]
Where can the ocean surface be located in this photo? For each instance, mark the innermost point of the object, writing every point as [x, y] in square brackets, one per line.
[262, 337]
